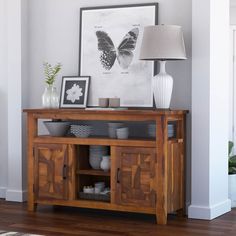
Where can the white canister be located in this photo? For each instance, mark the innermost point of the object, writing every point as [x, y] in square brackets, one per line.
[105, 163]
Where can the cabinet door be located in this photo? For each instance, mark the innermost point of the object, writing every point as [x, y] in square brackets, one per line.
[136, 175]
[51, 163]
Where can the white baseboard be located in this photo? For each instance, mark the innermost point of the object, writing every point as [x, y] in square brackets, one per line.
[209, 213]
[187, 204]
[16, 195]
[2, 192]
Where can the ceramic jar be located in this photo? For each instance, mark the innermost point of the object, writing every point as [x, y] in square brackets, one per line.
[105, 163]
[50, 98]
[114, 102]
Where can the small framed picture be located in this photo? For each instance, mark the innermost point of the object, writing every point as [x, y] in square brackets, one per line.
[74, 91]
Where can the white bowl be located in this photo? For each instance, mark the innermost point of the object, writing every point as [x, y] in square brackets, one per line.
[95, 161]
[112, 129]
[57, 128]
[99, 184]
[88, 190]
[122, 133]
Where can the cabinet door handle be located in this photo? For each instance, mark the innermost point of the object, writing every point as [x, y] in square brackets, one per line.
[64, 172]
[118, 175]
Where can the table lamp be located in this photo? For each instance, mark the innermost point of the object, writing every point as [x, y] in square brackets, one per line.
[162, 43]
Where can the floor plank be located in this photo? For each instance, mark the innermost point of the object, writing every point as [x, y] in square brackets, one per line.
[83, 222]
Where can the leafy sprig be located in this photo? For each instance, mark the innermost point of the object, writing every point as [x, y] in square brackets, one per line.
[232, 159]
[51, 72]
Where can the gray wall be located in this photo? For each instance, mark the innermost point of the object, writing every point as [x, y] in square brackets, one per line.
[3, 100]
[54, 36]
[233, 15]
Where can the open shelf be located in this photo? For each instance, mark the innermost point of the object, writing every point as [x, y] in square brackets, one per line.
[105, 141]
[90, 180]
[93, 172]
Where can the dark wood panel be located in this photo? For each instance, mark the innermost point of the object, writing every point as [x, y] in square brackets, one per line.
[175, 177]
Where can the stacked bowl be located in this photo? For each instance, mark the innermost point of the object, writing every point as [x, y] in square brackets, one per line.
[95, 155]
[81, 131]
[112, 127]
[171, 131]
[122, 133]
[152, 130]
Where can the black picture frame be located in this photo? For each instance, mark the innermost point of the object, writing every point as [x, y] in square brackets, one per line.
[74, 91]
[103, 89]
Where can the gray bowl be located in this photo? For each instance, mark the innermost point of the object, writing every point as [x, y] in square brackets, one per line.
[122, 133]
[57, 128]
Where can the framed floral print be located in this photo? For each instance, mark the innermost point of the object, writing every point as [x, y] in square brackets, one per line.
[110, 41]
[74, 91]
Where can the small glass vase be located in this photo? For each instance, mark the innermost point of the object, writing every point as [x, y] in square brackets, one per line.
[50, 98]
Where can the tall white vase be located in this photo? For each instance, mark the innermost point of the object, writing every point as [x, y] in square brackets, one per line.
[162, 88]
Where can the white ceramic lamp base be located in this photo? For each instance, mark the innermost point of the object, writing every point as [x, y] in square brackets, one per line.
[162, 88]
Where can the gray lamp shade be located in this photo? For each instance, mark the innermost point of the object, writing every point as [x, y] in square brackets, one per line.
[162, 42]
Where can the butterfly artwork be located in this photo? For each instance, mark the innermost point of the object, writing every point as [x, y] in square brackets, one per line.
[123, 53]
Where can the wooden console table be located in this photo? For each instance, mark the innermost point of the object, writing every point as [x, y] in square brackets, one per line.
[146, 176]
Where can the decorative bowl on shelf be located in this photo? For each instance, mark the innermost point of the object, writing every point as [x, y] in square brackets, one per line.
[81, 131]
[122, 133]
[88, 189]
[95, 155]
[152, 130]
[112, 126]
[57, 128]
[95, 161]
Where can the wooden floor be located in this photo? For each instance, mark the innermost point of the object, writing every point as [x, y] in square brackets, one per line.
[73, 221]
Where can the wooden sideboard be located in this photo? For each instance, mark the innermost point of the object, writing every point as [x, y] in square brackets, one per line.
[147, 174]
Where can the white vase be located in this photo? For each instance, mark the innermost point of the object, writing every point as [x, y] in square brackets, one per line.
[50, 98]
[105, 163]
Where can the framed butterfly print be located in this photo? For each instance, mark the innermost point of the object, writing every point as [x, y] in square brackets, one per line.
[110, 41]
